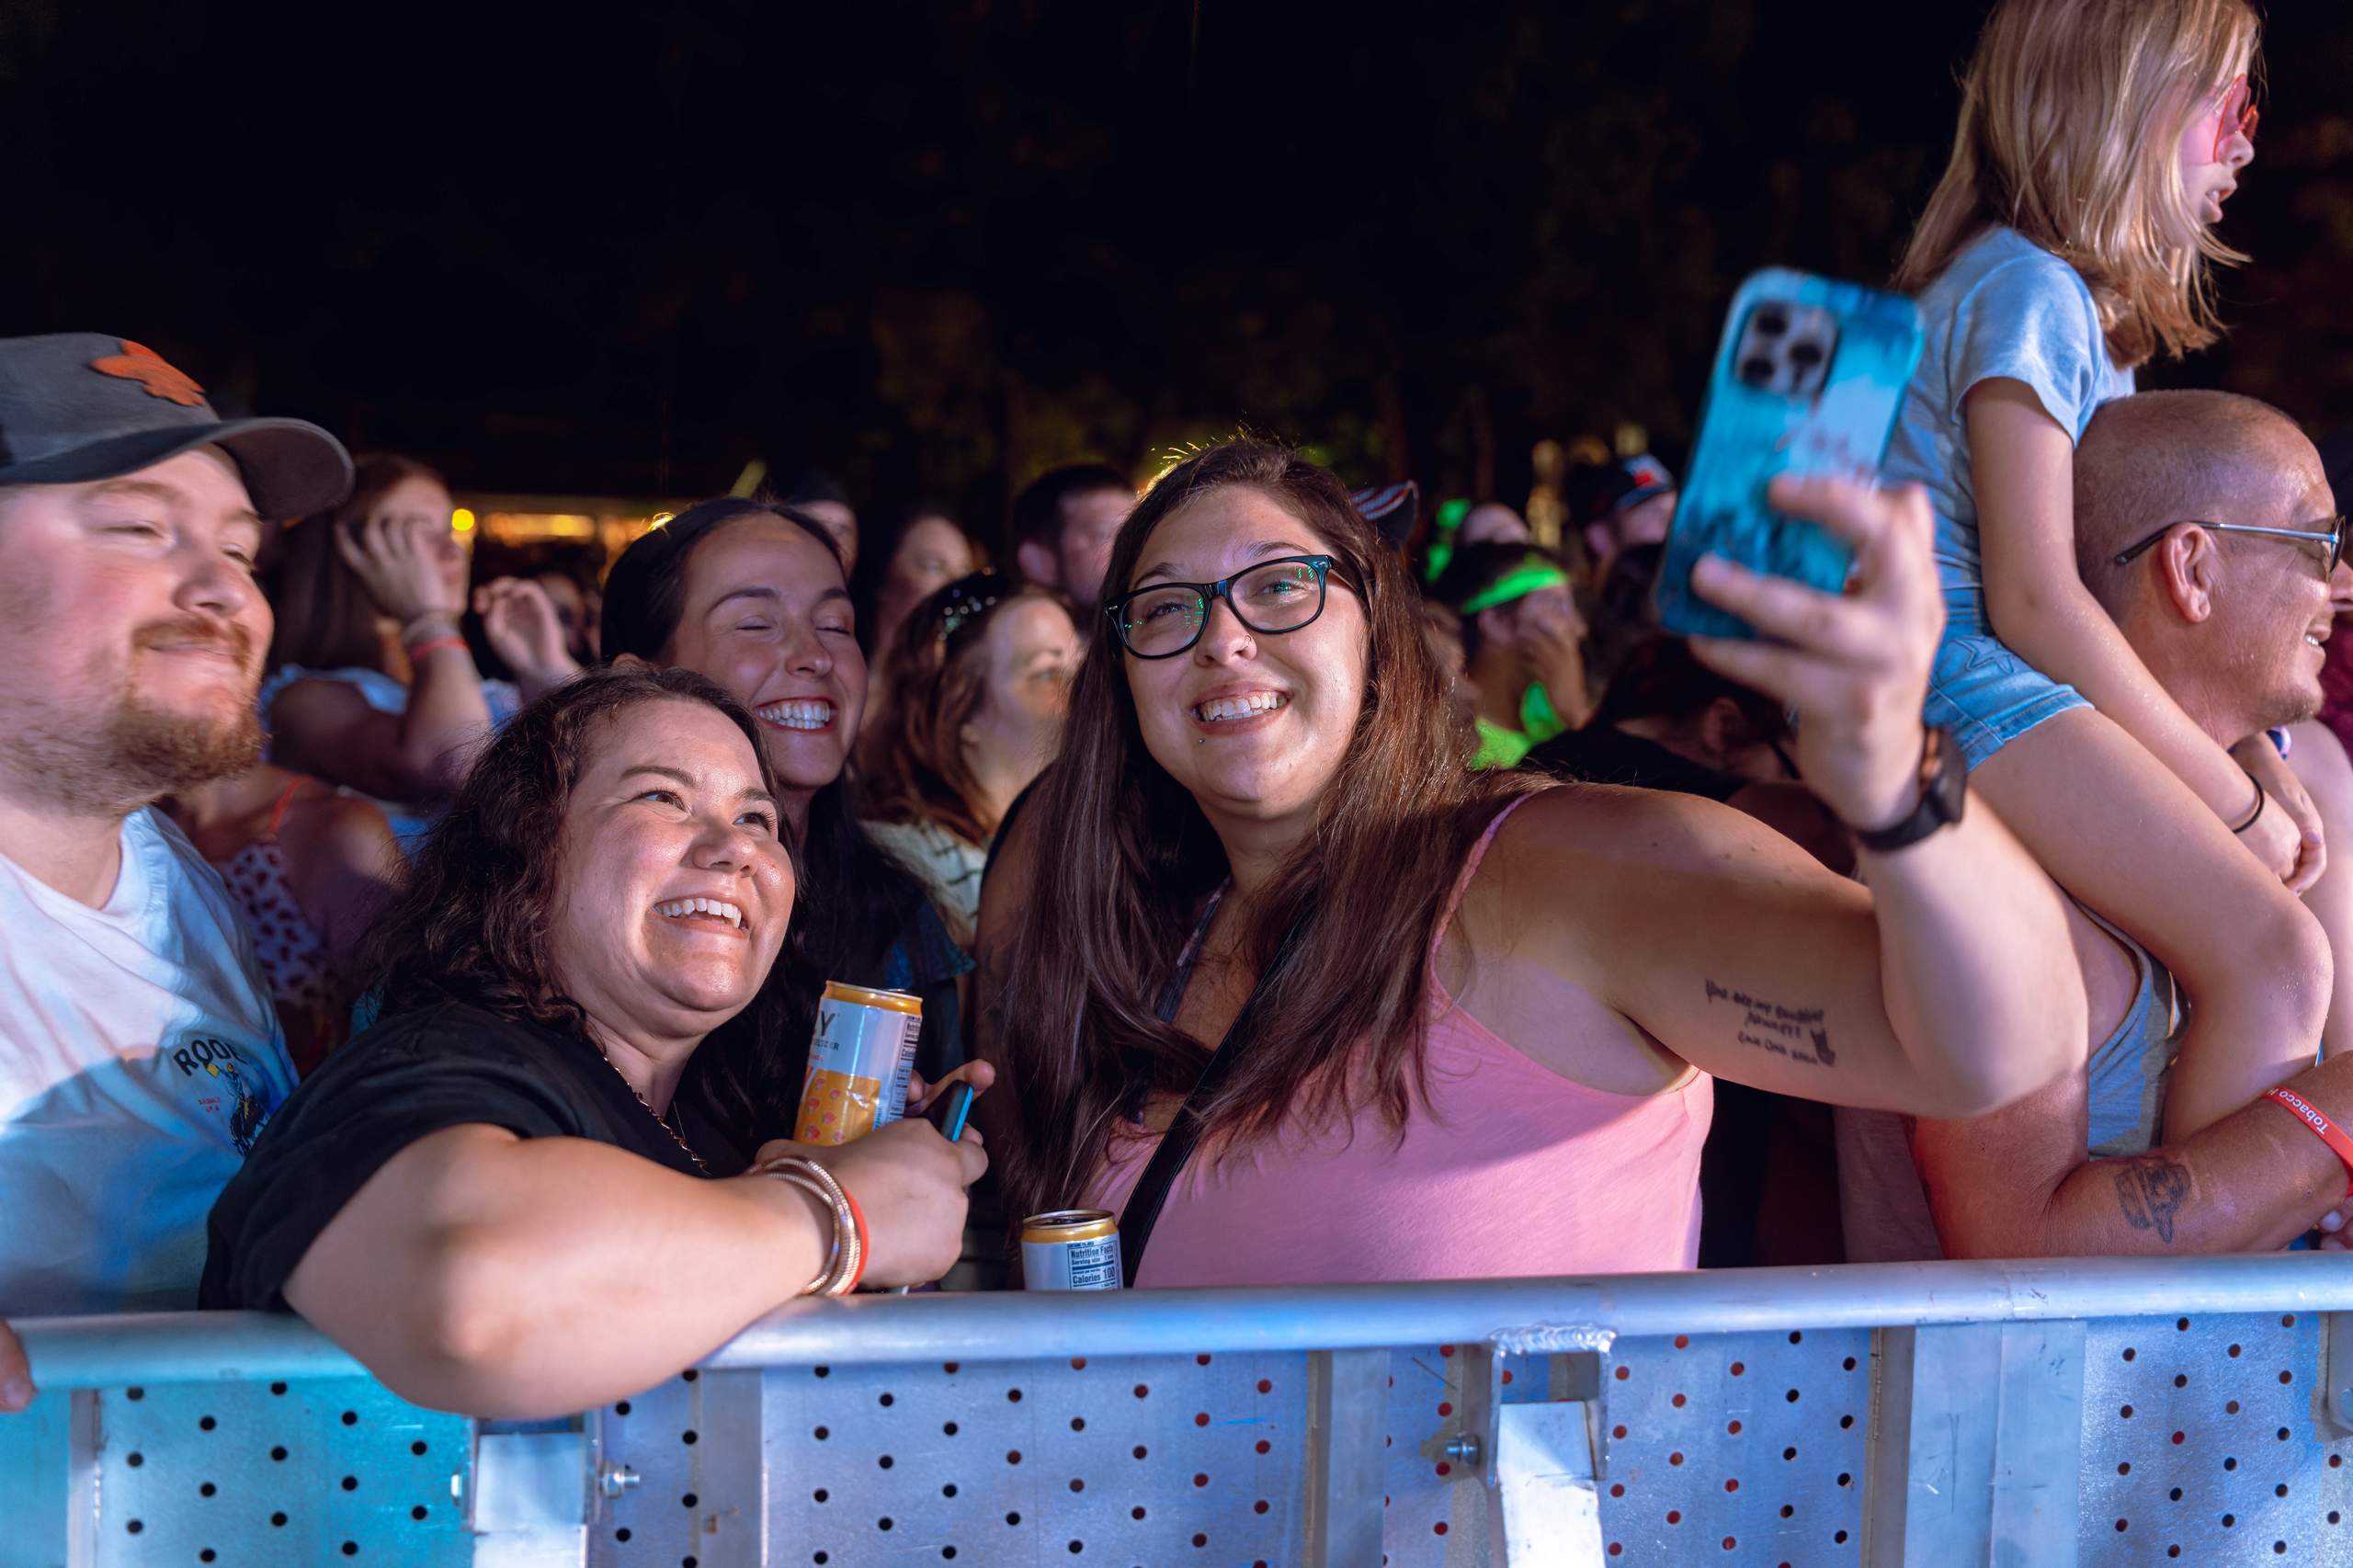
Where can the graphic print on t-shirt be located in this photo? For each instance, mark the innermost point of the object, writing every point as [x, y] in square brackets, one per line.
[220, 1086]
[140, 1059]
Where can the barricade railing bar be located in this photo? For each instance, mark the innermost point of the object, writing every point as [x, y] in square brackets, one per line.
[1526, 1315]
[2088, 1412]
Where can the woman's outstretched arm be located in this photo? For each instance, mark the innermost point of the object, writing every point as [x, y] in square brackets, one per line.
[481, 1272]
[1947, 989]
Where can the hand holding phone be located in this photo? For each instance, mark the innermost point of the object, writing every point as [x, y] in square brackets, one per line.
[1854, 664]
[953, 1108]
[949, 1109]
[1809, 378]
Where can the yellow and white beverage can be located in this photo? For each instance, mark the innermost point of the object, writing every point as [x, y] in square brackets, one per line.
[1071, 1249]
[858, 1062]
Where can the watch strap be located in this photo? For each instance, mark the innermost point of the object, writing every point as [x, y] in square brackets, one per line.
[1944, 781]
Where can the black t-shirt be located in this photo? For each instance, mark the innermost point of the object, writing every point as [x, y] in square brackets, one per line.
[1599, 754]
[408, 1078]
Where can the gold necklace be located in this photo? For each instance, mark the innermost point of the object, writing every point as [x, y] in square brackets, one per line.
[656, 1115]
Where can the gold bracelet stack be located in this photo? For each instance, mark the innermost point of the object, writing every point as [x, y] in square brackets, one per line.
[847, 1259]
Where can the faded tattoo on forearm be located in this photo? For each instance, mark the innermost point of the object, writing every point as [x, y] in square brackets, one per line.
[2153, 1192]
[1799, 1033]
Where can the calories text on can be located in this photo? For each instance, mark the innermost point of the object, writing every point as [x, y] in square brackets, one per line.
[858, 1062]
[1072, 1249]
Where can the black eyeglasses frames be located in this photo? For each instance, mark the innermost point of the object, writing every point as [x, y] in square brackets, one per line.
[1271, 598]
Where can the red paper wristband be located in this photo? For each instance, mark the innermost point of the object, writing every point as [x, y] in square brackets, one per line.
[865, 1241]
[2323, 1128]
[433, 645]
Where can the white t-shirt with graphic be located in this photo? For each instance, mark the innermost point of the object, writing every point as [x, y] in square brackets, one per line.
[139, 1058]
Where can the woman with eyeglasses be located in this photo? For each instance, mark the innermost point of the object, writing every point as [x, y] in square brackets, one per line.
[1462, 1024]
[980, 681]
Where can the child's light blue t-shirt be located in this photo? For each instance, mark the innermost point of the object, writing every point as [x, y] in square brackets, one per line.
[2004, 308]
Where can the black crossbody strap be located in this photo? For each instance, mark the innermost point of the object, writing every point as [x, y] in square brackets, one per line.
[1176, 1145]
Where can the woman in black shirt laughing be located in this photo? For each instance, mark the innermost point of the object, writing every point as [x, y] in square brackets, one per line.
[514, 1195]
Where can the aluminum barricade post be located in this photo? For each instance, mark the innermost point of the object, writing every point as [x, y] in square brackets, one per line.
[2333, 1390]
[1974, 1435]
[1348, 1393]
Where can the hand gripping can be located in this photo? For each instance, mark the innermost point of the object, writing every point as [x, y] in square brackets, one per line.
[1071, 1249]
[858, 1062]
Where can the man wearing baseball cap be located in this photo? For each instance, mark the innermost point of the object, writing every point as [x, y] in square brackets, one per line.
[139, 1051]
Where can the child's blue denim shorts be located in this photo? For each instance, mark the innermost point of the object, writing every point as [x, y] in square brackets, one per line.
[1980, 691]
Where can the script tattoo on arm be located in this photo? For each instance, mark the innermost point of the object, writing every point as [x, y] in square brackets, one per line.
[1799, 1033]
[2153, 1192]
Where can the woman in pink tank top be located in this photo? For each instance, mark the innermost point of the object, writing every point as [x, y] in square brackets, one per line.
[1483, 1015]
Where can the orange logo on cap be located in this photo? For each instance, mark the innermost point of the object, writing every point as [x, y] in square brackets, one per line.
[137, 362]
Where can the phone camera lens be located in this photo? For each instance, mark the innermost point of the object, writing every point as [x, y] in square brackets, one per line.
[1757, 370]
[1805, 355]
[1771, 324]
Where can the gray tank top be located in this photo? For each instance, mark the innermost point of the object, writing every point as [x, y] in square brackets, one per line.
[1882, 1203]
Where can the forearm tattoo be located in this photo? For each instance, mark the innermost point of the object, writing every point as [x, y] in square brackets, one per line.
[2152, 1193]
[1802, 1034]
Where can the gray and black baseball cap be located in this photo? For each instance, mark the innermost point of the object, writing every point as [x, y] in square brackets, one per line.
[76, 406]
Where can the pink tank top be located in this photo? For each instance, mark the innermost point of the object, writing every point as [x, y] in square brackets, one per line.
[1506, 1169]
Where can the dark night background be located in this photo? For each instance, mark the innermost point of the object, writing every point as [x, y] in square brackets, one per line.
[620, 250]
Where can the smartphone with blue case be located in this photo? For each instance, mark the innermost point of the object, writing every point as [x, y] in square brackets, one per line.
[1809, 378]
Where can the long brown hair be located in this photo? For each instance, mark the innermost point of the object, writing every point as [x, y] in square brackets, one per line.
[911, 760]
[2070, 116]
[326, 619]
[1130, 860]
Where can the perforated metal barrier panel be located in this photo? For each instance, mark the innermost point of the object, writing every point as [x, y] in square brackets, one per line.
[2199, 1444]
[2206, 1439]
[1127, 1460]
[1745, 1447]
[234, 1474]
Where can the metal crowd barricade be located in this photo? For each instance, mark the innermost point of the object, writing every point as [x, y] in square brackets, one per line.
[2070, 1411]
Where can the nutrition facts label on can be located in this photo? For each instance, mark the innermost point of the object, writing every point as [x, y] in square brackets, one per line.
[1094, 1266]
[894, 1104]
[1089, 1263]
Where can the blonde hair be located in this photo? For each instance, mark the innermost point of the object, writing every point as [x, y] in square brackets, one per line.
[2070, 116]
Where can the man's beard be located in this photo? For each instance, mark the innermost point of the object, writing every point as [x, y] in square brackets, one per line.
[163, 753]
[2293, 707]
[136, 755]
[2293, 701]
[133, 758]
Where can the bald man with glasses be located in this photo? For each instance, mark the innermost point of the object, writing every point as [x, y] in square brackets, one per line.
[2206, 527]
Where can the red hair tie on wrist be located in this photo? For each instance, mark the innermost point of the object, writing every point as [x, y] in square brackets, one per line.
[865, 1241]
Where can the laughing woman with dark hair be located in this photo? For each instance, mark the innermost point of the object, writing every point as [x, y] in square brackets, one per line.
[520, 1194]
[1470, 1021]
[755, 599]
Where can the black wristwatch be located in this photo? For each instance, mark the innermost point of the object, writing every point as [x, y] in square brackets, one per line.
[1944, 784]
